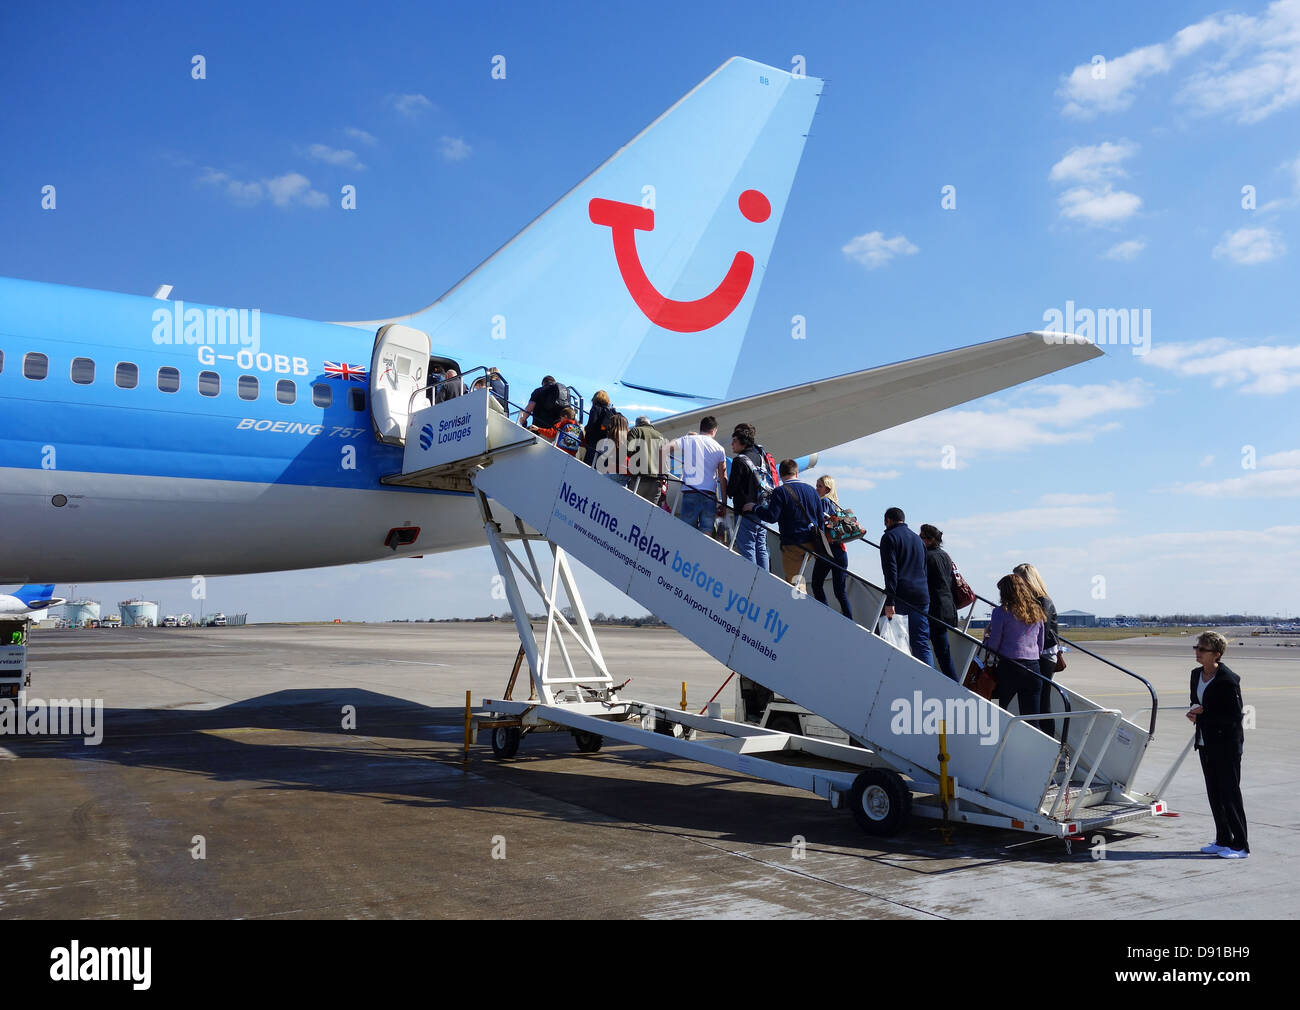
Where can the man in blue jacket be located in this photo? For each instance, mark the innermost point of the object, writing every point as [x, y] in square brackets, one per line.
[795, 507]
[907, 592]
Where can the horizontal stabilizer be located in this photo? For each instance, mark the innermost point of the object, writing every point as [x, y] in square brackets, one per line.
[814, 416]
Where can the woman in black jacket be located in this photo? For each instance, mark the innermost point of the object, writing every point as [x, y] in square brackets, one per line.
[597, 424]
[938, 574]
[1051, 644]
[1217, 711]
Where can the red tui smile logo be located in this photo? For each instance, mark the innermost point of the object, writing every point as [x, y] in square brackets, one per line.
[626, 219]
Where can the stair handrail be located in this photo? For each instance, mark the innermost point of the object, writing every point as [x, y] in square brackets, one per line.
[512, 409]
[1155, 702]
[1151, 731]
[980, 646]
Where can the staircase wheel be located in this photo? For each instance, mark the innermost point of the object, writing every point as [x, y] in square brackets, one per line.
[505, 741]
[880, 801]
[588, 743]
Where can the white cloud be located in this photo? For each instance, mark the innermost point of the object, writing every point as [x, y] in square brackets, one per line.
[1290, 458]
[1077, 499]
[873, 250]
[1206, 461]
[1096, 201]
[855, 478]
[410, 105]
[335, 156]
[1253, 484]
[1292, 170]
[1260, 72]
[1262, 368]
[1109, 88]
[1145, 570]
[1019, 521]
[1098, 205]
[1125, 251]
[283, 191]
[244, 194]
[292, 187]
[1250, 245]
[1094, 163]
[453, 148]
[361, 135]
[1253, 72]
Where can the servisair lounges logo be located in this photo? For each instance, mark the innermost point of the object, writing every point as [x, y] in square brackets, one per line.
[624, 220]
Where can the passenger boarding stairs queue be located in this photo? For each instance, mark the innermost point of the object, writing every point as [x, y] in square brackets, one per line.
[995, 767]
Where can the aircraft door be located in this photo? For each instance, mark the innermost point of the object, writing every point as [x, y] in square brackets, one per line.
[397, 370]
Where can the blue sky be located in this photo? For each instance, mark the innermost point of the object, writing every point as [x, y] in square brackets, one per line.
[1172, 475]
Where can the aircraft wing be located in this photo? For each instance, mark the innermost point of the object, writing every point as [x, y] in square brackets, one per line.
[815, 416]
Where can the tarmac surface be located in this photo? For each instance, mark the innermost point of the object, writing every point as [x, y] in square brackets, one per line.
[230, 744]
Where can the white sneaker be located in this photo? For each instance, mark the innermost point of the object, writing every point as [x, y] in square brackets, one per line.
[1214, 848]
[1233, 853]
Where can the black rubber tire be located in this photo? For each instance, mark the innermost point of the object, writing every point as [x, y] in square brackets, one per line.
[505, 741]
[784, 722]
[880, 801]
[588, 743]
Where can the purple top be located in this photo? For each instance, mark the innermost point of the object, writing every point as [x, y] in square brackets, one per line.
[1014, 638]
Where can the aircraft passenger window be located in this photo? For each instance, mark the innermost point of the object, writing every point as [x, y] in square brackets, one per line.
[322, 395]
[357, 397]
[169, 379]
[286, 391]
[126, 375]
[83, 371]
[2, 361]
[35, 365]
[248, 387]
[209, 383]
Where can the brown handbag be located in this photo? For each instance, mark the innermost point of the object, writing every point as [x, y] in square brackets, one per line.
[981, 680]
[1060, 660]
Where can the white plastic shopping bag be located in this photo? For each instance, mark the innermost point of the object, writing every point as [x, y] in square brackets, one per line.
[894, 631]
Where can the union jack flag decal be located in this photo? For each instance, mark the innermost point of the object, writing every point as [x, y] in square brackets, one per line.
[338, 370]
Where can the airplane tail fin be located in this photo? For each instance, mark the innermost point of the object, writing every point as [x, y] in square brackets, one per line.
[34, 593]
[648, 269]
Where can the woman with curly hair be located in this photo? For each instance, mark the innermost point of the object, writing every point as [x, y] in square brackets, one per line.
[1051, 643]
[1016, 635]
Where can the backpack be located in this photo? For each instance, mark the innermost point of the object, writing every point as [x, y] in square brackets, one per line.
[550, 405]
[962, 594]
[560, 397]
[773, 471]
[765, 475]
[568, 436]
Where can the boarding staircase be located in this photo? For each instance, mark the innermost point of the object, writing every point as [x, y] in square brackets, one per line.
[1000, 769]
